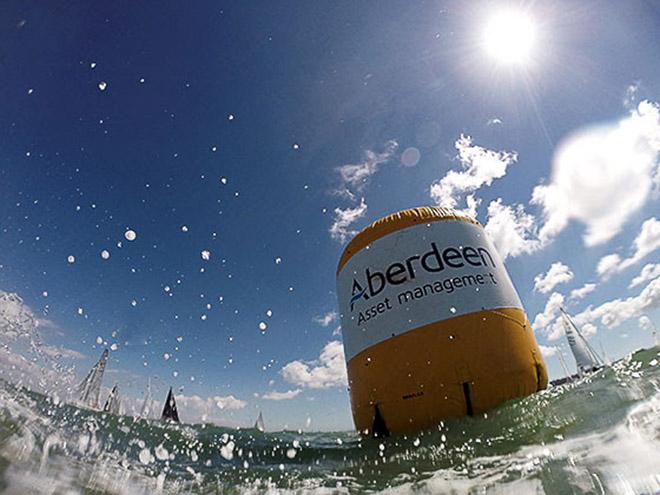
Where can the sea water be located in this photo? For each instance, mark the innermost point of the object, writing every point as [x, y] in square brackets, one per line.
[600, 434]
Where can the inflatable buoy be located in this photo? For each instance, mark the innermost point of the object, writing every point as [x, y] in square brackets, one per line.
[431, 323]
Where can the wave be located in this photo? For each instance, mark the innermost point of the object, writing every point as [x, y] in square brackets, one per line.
[597, 435]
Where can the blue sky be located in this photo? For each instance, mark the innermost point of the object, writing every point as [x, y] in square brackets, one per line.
[235, 120]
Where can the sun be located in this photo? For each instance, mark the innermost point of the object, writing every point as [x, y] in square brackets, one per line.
[509, 37]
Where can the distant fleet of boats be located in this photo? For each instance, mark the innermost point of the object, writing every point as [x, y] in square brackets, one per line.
[587, 361]
[89, 391]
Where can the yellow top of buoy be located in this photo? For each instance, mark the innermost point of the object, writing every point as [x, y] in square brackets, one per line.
[398, 221]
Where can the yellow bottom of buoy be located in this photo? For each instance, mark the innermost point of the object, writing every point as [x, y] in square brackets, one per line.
[457, 367]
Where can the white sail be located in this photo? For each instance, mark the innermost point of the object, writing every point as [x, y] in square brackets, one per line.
[83, 388]
[259, 423]
[113, 404]
[585, 358]
[90, 387]
[146, 405]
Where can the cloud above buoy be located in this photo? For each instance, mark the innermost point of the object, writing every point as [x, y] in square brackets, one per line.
[479, 167]
[355, 177]
[558, 273]
[341, 230]
[602, 175]
[647, 241]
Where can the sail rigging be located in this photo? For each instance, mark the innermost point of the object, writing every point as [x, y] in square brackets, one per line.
[170, 412]
[113, 404]
[259, 423]
[90, 388]
[586, 358]
[563, 365]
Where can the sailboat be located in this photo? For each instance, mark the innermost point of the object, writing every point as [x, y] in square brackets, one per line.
[169, 411]
[146, 405]
[259, 423]
[586, 359]
[113, 404]
[90, 388]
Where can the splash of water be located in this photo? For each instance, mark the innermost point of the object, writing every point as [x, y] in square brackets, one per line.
[599, 435]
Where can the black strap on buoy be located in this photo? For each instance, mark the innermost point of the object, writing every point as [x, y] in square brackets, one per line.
[538, 376]
[379, 428]
[468, 398]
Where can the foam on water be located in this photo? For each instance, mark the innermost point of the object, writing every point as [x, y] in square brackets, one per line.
[600, 435]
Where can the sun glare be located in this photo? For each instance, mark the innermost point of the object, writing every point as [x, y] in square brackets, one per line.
[509, 37]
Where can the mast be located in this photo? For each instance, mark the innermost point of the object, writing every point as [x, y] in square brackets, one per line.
[563, 365]
[90, 387]
[146, 405]
[170, 412]
[585, 358]
[654, 330]
[606, 359]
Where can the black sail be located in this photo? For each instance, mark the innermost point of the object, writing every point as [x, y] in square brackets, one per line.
[112, 405]
[169, 411]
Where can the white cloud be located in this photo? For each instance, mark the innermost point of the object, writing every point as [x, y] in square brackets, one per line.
[472, 203]
[582, 291]
[588, 330]
[326, 319]
[344, 218]
[193, 408]
[548, 351]
[480, 167]
[645, 323]
[557, 274]
[612, 313]
[608, 264]
[544, 320]
[649, 272]
[329, 370]
[647, 241]
[630, 96]
[61, 352]
[229, 402]
[356, 176]
[512, 230]
[289, 394]
[602, 175]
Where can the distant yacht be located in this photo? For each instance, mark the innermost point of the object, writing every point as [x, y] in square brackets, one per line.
[586, 359]
[170, 412]
[145, 411]
[90, 388]
[259, 423]
[113, 404]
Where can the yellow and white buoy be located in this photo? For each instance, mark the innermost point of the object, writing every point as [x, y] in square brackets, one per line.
[431, 323]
